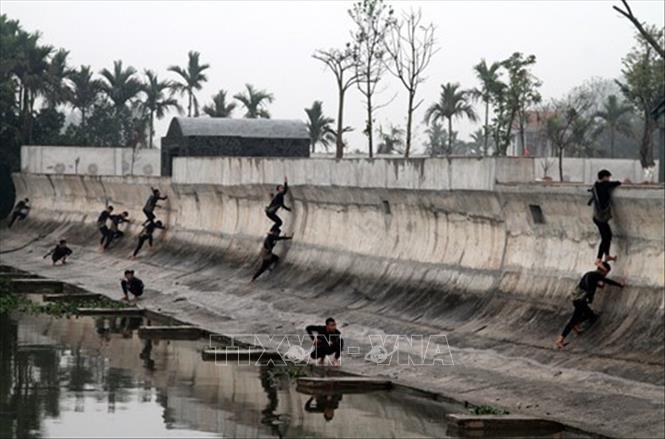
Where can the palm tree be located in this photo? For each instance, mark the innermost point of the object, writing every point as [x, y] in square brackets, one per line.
[453, 103]
[318, 125]
[254, 102]
[30, 69]
[477, 142]
[219, 107]
[84, 92]
[191, 79]
[614, 119]
[330, 135]
[56, 90]
[157, 103]
[489, 81]
[121, 86]
[436, 139]
[391, 142]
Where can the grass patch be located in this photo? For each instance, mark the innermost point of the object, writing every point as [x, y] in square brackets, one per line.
[10, 302]
[487, 410]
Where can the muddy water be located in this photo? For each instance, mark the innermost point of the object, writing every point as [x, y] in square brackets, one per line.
[92, 377]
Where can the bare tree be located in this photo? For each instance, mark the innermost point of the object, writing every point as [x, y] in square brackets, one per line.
[410, 47]
[565, 124]
[648, 36]
[343, 65]
[373, 19]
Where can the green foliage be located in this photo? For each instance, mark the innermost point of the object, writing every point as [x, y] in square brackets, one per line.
[569, 126]
[255, 102]
[436, 139]
[84, 93]
[615, 117]
[219, 106]
[158, 100]
[191, 78]
[48, 126]
[488, 75]
[513, 98]
[32, 74]
[10, 302]
[391, 141]
[318, 125]
[643, 85]
[488, 410]
[120, 84]
[453, 103]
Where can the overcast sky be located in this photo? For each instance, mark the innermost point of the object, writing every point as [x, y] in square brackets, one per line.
[269, 44]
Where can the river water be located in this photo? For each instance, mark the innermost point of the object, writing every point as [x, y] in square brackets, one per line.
[94, 377]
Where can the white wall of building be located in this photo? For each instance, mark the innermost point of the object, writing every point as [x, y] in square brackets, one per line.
[586, 169]
[89, 160]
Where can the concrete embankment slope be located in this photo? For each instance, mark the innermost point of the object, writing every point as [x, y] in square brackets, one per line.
[401, 247]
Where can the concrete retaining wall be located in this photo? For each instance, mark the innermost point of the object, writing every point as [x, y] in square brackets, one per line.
[467, 241]
[89, 160]
[466, 259]
[475, 173]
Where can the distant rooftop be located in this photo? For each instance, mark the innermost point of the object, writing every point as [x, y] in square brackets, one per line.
[226, 127]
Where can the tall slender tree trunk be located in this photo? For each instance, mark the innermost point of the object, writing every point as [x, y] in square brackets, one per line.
[522, 138]
[487, 126]
[189, 104]
[25, 115]
[20, 98]
[84, 133]
[30, 101]
[370, 125]
[152, 126]
[450, 135]
[339, 141]
[611, 142]
[409, 120]
[646, 148]
[560, 164]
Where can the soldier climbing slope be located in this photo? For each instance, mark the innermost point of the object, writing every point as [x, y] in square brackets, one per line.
[582, 297]
[114, 231]
[268, 258]
[151, 204]
[20, 212]
[146, 235]
[601, 199]
[102, 220]
[276, 202]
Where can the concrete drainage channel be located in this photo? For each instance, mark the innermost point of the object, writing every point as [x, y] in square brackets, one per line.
[320, 380]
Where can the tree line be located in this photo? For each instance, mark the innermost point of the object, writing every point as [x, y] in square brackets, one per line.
[117, 106]
[588, 121]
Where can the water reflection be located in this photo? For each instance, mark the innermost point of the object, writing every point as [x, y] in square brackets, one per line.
[325, 404]
[96, 377]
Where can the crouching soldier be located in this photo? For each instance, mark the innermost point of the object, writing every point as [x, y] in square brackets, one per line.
[131, 284]
[59, 252]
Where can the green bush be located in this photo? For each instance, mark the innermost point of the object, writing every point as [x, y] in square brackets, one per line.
[487, 410]
[10, 302]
